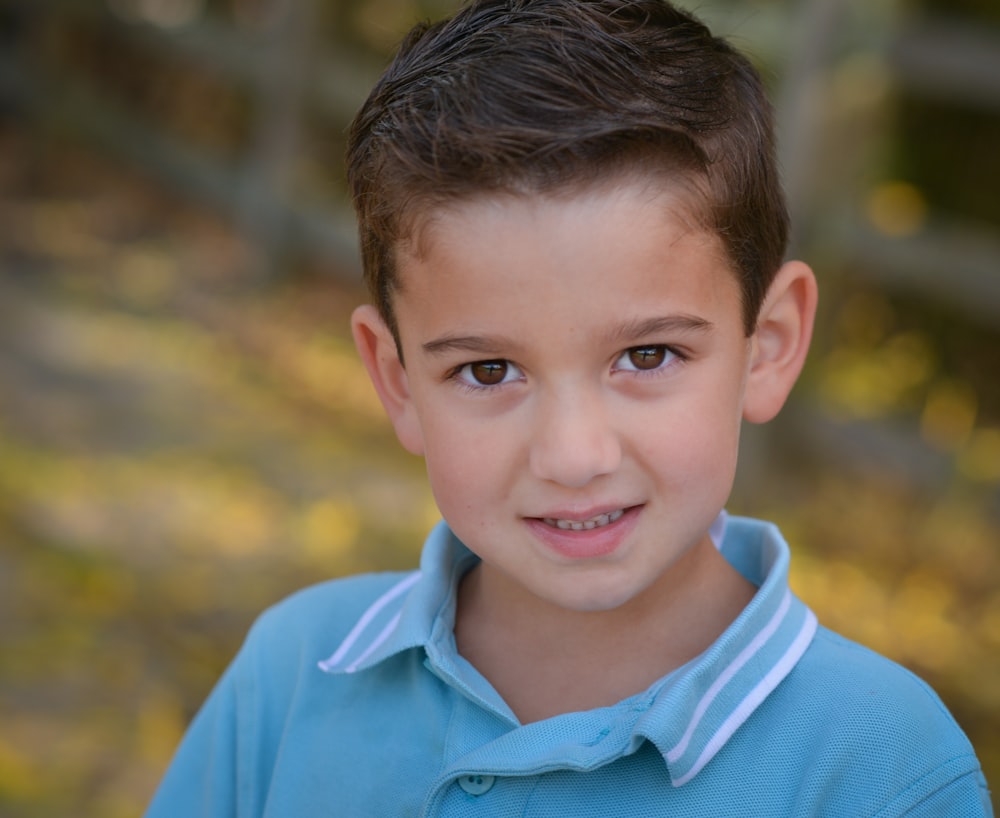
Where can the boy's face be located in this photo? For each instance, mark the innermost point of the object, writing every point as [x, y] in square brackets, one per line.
[576, 375]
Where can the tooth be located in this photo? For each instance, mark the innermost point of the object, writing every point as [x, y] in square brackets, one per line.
[585, 525]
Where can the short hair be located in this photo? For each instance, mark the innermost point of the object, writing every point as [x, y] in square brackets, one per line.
[539, 96]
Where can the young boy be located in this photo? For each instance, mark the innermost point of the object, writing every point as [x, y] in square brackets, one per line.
[573, 231]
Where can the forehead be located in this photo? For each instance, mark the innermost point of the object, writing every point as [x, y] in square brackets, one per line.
[684, 196]
[607, 253]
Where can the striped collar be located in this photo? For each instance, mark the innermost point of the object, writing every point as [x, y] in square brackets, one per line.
[689, 715]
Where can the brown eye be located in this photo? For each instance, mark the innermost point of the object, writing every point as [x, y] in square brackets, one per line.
[489, 373]
[647, 357]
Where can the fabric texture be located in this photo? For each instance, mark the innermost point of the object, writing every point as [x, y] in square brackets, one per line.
[349, 699]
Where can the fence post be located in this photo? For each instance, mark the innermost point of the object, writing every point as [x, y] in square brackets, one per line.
[268, 167]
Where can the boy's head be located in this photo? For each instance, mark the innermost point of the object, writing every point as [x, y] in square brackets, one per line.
[548, 96]
[573, 230]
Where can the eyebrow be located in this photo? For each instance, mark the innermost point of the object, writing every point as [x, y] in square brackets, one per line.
[642, 328]
[623, 333]
[467, 343]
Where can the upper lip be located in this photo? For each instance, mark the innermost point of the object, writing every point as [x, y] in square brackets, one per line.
[580, 514]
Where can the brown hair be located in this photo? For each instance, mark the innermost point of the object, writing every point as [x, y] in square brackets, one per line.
[533, 96]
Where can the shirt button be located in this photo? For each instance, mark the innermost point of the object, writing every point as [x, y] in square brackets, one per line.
[476, 784]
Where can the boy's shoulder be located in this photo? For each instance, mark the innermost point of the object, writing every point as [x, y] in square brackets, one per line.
[854, 726]
[853, 682]
[334, 596]
[309, 624]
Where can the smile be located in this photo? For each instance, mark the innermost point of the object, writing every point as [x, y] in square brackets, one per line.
[599, 521]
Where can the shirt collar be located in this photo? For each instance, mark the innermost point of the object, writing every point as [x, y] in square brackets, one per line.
[693, 711]
[699, 708]
[413, 612]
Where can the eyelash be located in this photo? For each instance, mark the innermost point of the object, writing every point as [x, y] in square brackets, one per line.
[472, 386]
[672, 356]
[676, 356]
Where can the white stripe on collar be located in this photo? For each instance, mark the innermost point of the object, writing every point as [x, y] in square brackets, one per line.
[717, 531]
[723, 679]
[401, 587]
[751, 701]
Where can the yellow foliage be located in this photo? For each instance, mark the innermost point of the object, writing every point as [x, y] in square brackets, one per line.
[921, 620]
[989, 623]
[382, 23]
[333, 373]
[897, 209]
[328, 529]
[432, 514]
[869, 383]
[107, 592]
[865, 318]
[20, 777]
[161, 723]
[845, 598]
[192, 587]
[949, 414]
[979, 459]
[145, 276]
[962, 537]
[243, 523]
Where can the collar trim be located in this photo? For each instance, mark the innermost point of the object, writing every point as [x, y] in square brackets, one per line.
[750, 702]
[677, 751]
[396, 594]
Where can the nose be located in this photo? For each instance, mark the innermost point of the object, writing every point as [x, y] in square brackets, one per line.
[574, 439]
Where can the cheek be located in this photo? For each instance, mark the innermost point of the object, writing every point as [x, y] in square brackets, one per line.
[463, 463]
[703, 440]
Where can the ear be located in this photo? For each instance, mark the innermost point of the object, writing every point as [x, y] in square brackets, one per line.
[378, 352]
[781, 341]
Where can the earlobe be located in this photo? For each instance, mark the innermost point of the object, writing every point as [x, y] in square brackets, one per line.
[378, 352]
[781, 341]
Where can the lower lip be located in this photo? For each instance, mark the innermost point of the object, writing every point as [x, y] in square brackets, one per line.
[588, 543]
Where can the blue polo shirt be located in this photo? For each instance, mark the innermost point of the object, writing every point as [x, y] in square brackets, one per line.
[349, 699]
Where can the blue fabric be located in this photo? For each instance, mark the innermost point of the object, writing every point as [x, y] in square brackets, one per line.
[349, 699]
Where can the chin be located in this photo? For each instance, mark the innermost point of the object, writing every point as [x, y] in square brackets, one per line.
[596, 600]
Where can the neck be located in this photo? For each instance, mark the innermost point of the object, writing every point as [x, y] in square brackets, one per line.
[544, 659]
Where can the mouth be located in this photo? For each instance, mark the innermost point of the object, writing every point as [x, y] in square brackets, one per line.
[597, 521]
[571, 536]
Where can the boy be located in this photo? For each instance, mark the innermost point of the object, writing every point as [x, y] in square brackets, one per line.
[573, 232]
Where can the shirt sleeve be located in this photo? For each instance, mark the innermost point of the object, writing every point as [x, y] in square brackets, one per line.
[964, 797]
[201, 779]
[967, 796]
[225, 763]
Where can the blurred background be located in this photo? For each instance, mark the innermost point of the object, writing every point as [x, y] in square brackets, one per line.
[186, 435]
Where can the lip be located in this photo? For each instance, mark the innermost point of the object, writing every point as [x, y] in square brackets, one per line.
[586, 543]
